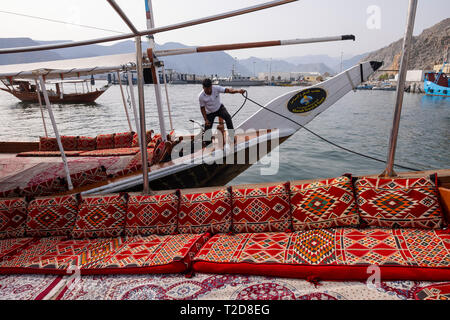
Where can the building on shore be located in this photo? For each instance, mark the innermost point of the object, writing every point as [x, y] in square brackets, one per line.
[279, 76]
[438, 67]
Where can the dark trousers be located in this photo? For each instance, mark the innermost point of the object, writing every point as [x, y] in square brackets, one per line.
[223, 113]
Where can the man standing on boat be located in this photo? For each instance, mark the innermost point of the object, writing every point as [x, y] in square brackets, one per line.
[210, 104]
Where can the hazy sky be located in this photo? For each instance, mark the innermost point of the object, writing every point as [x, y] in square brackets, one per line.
[376, 23]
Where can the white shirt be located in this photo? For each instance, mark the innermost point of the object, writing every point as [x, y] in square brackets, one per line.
[211, 102]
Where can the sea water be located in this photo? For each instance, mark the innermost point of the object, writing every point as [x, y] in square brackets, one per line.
[360, 121]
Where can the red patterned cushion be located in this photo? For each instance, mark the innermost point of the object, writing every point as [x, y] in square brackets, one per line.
[156, 214]
[110, 152]
[70, 143]
[48, 144]
[87, 143]
[123, 139]
[399, 202]
[13, 216]
[105, 141]
[324, 204]
[102, 216]
[261, 209]
[52, 216]
[48, 154]
[205, 212]
[135, 141]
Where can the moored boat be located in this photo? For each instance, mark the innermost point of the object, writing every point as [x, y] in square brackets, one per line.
[28, 92]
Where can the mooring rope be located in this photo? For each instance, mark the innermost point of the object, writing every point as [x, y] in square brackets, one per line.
[245, 95]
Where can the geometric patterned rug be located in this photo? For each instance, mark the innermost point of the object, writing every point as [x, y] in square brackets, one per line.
[207, 287]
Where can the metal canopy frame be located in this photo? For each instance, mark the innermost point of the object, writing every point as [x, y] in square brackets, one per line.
[152, 30]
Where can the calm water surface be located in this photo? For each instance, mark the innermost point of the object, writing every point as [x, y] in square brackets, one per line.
[360, 121]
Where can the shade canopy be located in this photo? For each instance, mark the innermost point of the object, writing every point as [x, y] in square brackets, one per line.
[59, 69]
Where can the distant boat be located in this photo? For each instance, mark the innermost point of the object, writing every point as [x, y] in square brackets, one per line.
[437, 83]
[385, 87]
[237, 80]
[365, 87]
[178, 81]
[26, 91]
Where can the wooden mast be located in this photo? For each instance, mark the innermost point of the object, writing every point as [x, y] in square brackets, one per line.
[153, 61]
[389, 171]
[151, 41]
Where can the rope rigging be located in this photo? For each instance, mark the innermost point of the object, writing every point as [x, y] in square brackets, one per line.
[245, 95]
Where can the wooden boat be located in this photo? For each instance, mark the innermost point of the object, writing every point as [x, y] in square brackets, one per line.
[26, 91]
[437, 83]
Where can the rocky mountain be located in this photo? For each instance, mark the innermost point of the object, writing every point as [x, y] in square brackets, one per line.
[25, 56]
[427, 49]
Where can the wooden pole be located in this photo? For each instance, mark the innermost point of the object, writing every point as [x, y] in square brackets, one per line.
[249, 45]
[389, 171]
[40, 107]
[151, 44]
[151, 41]
[124, 102]
[55, 129]
[140, 76]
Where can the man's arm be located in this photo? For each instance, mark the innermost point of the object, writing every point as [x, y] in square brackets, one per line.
[203, 110]
[233, 91]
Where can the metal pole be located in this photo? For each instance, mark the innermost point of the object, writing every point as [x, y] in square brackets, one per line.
[140, 78]
[55, 129]
[389, 171]
[124, 102]
[167, 97]
[162, 124]
[40, 107]
[123, 16]
[152, 31]
[133, 103]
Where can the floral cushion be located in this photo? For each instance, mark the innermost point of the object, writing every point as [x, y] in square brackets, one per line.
[69, 143]
[205, 212]
[324, 204]
[13, 216]
[261, 209]
[123, 139]
[152, 214]
[102, 216]
[399, 202]
[48, 144]
[87, 143]
[52, 216]
[105, 141]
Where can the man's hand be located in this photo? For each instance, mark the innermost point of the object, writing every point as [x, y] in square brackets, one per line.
[207, 123]
[233, 91]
